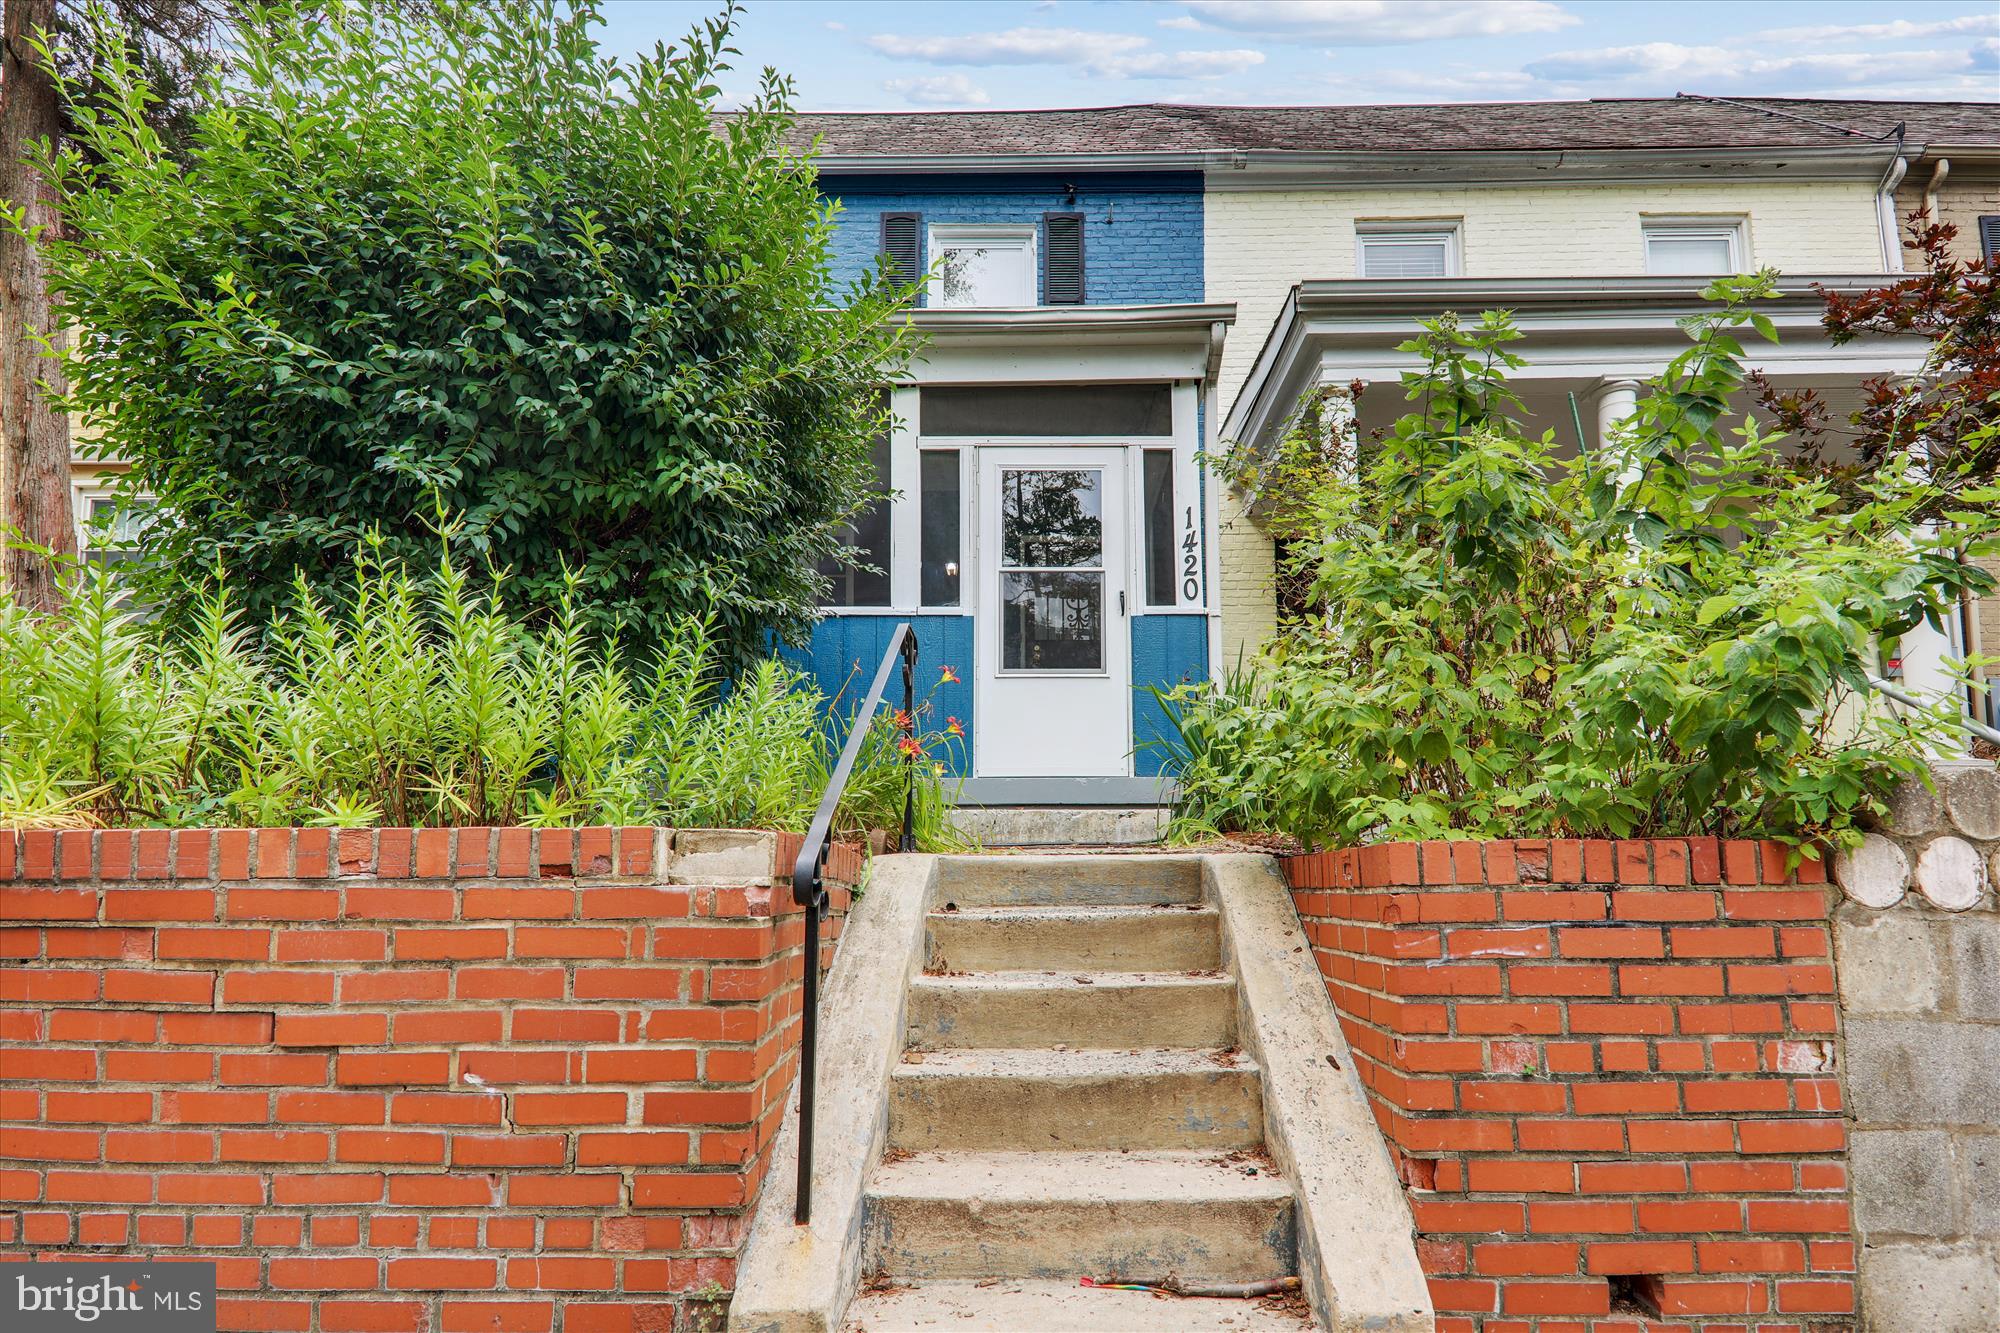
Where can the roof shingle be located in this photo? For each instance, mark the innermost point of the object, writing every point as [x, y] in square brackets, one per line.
[1629, 123]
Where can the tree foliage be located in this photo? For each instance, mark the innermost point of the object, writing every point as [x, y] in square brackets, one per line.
[465, 263]
[1671, 637]
[1946, 417]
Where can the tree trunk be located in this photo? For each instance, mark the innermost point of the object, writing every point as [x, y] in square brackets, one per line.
[34, 436]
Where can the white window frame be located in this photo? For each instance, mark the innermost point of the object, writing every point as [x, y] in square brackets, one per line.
[83, 492]
[1733, 229]
[1410, 231]
[1021, 236]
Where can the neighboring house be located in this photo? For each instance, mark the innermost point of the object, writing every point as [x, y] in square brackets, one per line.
[1070, 287]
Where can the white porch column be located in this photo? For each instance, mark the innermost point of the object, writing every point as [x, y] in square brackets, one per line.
[1615, 400]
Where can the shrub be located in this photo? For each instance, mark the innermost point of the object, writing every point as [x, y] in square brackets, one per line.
[404, 700]
[448, 255]
[1670, 638]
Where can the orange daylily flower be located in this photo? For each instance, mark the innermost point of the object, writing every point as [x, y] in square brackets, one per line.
[946, 676]
[910, 748]
[952, 727]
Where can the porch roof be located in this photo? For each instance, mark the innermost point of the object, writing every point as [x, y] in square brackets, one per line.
[1580, 329]
[1082, 343]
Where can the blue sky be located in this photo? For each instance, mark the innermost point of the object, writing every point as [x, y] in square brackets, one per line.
[913, 54]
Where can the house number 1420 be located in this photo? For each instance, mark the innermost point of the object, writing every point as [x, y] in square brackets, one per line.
[1190, 560]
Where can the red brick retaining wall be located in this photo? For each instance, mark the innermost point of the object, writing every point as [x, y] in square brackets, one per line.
[390, 1080]
[1607, 1072]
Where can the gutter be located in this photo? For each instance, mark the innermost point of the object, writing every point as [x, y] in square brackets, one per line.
[1885, 215]
[1202, 318]
[1248, 168]
[1938, 174]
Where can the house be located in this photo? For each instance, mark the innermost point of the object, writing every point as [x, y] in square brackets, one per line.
[1115, 294]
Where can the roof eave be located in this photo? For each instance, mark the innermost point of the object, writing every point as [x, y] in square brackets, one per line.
[1263, 167]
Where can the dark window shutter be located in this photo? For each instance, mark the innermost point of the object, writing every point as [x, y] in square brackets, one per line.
[1062, 282]
[1989, 236]
[902, 242]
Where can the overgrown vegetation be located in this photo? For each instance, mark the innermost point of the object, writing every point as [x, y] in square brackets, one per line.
[414, 700]
[1671, 637]
[449, 255]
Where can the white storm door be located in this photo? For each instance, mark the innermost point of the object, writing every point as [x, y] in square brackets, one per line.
[1054, 660]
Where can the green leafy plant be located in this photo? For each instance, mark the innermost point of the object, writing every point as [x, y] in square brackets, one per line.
[406, 700]
[451, 255]
[1671, 637]
[902, 751]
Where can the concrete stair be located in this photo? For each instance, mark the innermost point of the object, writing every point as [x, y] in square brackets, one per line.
[1071, 1102]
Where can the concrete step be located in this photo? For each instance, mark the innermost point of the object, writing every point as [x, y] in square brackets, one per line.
[1062, 826]
[1022, 1305]
[1044, 1009]
[1082, 880]
[1057, 1215]
[1180, 938]
[1048, 1101]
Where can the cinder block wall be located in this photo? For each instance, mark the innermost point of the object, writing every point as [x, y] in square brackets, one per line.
[1918, 946]
[1608, 1073]
[395, 1080]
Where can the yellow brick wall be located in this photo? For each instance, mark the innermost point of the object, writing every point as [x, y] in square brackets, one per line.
[1967, 193]
[1259, 243]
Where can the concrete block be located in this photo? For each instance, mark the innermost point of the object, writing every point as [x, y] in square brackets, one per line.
[723, 856]
[1975, 968]
[1904, 1183]
[1972, 798]
[1937, 1289]
[1951, 874]
[1979, 1181]
[1903, 1071]
[1886, 963]
[1915, 810]
[1873, 874]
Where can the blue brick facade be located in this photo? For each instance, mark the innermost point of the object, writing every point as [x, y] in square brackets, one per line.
[1142, 232]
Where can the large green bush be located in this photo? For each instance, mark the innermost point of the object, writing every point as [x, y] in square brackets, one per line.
[420, 701]
[413, 258]
[1670, 638]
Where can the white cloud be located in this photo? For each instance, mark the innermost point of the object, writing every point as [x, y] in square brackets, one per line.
[1898, 31]
[1016, 46]
[938, 90]
[1657, 68]
[1179, 64]
[1376, 22]
[1114, 55]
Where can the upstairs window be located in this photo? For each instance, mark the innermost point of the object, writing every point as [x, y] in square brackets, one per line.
[1694, 248]
[981, 265]
[1406, 249]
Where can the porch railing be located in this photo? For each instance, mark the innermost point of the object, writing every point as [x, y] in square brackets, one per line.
[1972, 725]
[809, 872]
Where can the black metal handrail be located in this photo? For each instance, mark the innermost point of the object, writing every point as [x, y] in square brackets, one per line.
[809, 873]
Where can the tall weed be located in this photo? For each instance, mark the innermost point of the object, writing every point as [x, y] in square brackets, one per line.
[411, 701]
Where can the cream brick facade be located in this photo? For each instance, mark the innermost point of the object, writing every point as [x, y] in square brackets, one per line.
[1260, 242]
[1970, 192]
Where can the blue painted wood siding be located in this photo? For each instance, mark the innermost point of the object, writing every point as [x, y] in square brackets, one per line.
[846, 650]
[1166, 651]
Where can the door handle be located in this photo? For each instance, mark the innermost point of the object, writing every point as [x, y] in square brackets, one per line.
[1121, 602]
